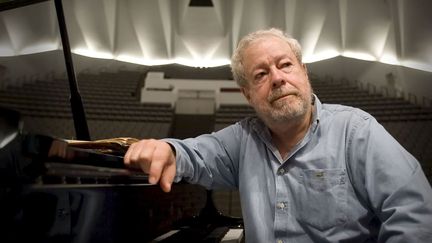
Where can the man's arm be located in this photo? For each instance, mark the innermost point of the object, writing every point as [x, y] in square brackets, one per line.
[392, 182]
[210, 160]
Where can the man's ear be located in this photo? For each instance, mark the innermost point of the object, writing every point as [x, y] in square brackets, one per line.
[245, 92]
[305, 68]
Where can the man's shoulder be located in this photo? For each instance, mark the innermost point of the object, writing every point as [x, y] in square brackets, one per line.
[242, 125]
[249, 121]
[345, 111]
[337, 115]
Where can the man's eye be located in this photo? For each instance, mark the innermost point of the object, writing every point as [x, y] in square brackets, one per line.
[286, 64]
[259, 76]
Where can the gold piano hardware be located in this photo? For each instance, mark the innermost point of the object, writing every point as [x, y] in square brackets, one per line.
[116, 146]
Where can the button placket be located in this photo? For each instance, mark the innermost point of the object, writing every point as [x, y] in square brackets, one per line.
[281, 202]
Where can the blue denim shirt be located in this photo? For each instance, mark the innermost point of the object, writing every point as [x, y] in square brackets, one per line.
[348, 180]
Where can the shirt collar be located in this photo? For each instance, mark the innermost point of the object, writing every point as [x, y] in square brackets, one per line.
[316, 112]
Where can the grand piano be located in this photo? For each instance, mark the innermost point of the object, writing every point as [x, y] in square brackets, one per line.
[53, 192]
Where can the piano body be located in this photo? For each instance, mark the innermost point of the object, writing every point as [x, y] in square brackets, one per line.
[83, 196]
[51, 192]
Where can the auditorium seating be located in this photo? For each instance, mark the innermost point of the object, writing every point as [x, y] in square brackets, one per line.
[111, 102]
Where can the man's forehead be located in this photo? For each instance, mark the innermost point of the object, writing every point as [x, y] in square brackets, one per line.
[269, 43]
[267, 49]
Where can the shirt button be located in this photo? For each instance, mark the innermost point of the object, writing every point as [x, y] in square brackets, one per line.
[280, 205]
[281, 171]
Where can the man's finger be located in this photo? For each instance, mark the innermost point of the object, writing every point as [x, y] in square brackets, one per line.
[168, 177]
[139, 155]
[155, 170]
[162, 157]
[126, 158]
[144, 156]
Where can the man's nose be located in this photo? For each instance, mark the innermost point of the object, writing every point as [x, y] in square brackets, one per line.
[277, 78]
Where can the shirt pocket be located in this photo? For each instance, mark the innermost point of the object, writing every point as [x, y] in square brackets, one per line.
[322, 198]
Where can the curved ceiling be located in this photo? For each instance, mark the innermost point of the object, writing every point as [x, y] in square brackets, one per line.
[155, 32]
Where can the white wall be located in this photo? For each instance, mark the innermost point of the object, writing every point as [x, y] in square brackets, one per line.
[189, 96]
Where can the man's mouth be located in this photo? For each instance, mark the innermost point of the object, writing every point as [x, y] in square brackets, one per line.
[274, 99]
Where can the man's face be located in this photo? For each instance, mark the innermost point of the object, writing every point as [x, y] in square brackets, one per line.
[278, 85]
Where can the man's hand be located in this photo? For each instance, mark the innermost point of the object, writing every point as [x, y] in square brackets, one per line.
[154, 157]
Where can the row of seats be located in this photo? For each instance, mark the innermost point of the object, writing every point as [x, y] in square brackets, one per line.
[48, 102]
[94, 113]
[98, 129]
[111, 102]
[63, 84]
[36, 91]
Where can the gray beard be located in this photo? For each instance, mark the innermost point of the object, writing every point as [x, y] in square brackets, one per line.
[281, 111]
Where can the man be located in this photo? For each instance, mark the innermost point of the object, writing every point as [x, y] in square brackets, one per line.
[306, 171]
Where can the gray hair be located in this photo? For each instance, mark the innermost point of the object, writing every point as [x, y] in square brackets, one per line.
[237, 68]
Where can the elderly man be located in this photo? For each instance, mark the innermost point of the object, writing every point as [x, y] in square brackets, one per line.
[306, 171]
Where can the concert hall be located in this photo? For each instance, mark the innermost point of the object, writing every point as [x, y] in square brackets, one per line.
[231, 121]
